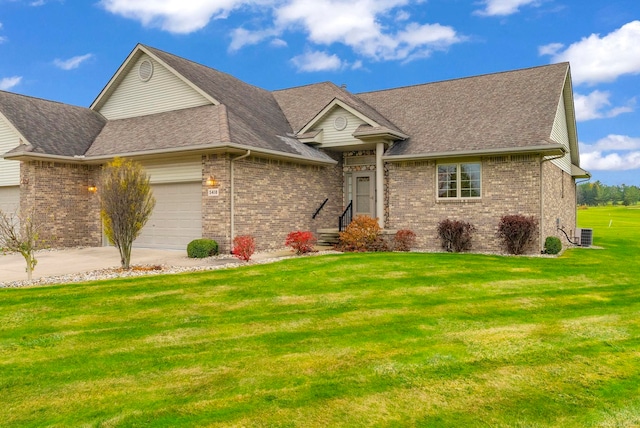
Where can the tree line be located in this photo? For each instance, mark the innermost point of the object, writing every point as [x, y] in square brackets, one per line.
[596, 193]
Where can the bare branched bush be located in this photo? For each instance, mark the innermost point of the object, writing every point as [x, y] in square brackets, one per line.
[126, 204]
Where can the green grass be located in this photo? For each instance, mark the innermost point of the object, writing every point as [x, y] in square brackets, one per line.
[445, 340]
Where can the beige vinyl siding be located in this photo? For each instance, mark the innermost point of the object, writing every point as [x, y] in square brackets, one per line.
[560, 134]
[174, 170]
[9, 169]
[163, 92]
[331, 137]
[10, 199]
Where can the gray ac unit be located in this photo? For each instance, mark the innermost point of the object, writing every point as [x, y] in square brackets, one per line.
[585, 237]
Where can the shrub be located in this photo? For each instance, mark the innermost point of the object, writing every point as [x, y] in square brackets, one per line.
[404, 240]
[517, 232]
[362, 234]
[201, 248]
[455, 235]
[243, 247]
[301, 242]
[552, 245]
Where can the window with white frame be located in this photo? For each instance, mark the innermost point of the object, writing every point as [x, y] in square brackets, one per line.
[459, 180]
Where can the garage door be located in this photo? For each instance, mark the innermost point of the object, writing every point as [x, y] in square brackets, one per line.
[9, 199]
[176, 219]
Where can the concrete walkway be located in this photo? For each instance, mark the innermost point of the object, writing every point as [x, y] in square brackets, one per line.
[79, 260]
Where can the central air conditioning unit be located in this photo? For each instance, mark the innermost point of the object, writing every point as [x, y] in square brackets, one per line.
[584, 236]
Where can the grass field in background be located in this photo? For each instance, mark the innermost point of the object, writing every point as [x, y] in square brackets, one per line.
[384, 339]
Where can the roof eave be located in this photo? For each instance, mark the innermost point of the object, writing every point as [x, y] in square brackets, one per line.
[203, 149]
[546, 149]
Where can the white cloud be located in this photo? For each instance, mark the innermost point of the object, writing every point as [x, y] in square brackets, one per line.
[369, 27]
[317, 61]
[176, 16]
[72, 63]
[503, 7]
[596, 106]
[596, 59]
[7, 83]
[550, 49]
[2, 39]
[611, 153]
[357, 24]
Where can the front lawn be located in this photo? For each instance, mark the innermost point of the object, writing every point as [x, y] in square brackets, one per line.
[341, 340]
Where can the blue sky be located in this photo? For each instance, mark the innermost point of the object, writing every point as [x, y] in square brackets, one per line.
[67, 50]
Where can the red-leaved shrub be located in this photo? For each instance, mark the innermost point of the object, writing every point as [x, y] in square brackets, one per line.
[243, 247]
[301, 242]
[455, 235]
[362, 234]
[404, 240]
[517, 232]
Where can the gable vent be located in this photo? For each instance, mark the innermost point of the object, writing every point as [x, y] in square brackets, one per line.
[145, 70]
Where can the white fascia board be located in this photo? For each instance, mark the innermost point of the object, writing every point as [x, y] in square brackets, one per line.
[548, 149]
[224, 147]
[336, 103]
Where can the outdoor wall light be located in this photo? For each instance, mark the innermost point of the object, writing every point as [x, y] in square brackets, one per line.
[211, 181]
[92, 188]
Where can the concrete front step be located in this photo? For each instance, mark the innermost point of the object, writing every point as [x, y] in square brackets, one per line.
[332, 236]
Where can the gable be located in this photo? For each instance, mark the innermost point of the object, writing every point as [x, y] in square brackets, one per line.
[9, 169]
[163, 91]
[560, 134]
[331, 124]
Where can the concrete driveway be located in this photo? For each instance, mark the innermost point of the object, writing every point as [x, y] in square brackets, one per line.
[79, 260]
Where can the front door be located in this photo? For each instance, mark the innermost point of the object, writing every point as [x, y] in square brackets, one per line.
[364, 202]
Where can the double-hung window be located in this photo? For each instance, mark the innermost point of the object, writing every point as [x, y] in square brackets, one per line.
[459, 180]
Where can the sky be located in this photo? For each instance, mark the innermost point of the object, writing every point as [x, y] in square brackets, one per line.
[67, 50]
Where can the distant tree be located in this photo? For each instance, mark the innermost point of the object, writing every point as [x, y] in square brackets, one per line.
[21, 234]
[126, 204]
[630, 195]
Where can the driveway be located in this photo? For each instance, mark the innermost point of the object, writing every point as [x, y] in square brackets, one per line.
[79, 260]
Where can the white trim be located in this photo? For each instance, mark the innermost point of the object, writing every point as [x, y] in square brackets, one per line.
[380, 184]
[458, 196]
[336, 103]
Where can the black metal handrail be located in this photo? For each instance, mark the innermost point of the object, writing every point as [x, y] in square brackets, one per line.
[346, 217]
[319, 209]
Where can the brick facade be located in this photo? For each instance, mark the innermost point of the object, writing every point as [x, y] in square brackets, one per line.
[559, 203]
[510, 185]
[58, 194]
[272, 198]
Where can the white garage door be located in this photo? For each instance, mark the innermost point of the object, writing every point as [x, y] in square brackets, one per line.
[176, 219]
[10, 199]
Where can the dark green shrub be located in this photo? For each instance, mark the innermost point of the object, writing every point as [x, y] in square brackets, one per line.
[201, 248]
[517, 232]
[455, 235]
[552, 245]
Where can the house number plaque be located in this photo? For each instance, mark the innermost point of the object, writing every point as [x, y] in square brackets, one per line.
[213, 192]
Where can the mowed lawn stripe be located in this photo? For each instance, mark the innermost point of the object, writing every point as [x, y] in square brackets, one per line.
[383, 339]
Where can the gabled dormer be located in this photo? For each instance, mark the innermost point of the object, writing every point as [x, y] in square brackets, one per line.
[340, 126]
[146, 84]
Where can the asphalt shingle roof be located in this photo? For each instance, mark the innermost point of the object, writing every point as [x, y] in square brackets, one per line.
[499, 111]
[51, 127]
[514, 109]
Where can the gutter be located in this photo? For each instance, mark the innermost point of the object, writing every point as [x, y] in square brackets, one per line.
[158, 152]
[552, 149]
[232, 204]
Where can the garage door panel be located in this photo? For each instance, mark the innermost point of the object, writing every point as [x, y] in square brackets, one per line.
[176, 219]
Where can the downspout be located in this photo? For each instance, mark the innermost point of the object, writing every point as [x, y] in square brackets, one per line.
[233, 198]
[380, 184]
[541, 240]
